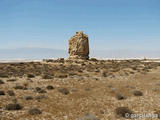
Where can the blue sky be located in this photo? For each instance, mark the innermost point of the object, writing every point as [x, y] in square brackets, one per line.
[110, 24]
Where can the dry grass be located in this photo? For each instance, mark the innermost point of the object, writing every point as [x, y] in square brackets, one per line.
[68, 90]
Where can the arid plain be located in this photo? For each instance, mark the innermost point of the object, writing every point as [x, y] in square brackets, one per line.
[79, 90]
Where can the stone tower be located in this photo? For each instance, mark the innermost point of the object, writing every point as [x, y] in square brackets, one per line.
[79, 46]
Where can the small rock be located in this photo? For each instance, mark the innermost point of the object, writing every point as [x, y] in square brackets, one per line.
[74, 90]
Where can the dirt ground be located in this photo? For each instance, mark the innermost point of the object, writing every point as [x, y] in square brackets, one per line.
[69, 90]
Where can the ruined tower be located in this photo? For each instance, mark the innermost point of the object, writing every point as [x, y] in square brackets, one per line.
[79, 46]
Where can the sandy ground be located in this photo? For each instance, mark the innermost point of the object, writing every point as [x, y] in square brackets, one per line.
[92, 88]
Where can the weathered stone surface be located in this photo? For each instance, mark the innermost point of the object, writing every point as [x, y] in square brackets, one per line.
[79, 46]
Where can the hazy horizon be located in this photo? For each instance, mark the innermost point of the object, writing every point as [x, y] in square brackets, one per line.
[48, 53]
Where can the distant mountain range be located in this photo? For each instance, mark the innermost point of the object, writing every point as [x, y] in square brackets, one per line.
[31, 53]
[45, 53]
[125, 54]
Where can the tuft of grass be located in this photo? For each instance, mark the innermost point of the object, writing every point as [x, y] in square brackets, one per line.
[13, 106]
[137, 93]
[46, 76]
[120, 97]
[49, 87]
[61, 75]
[34, 111]
[123, 112]
[64, 91]
[157, 113]
[2, 92]
[93, 59]
[30, 75]
[19, 87]
[11, 80]
[4, 75]
[11, 93]
[28, 97]
[40, 97]
[41, 91]
[1, 82]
